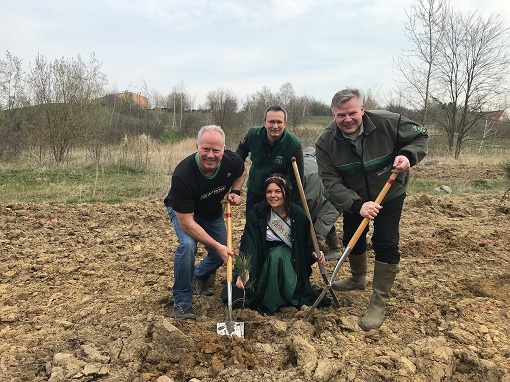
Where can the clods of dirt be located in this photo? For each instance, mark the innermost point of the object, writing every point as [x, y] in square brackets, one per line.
[85, 295]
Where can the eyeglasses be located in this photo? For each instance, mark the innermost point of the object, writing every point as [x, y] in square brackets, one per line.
[275, 121]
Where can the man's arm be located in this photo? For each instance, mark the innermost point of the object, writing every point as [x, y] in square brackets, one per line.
[195, 230]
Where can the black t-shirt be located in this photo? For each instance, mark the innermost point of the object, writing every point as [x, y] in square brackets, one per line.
[192, 192]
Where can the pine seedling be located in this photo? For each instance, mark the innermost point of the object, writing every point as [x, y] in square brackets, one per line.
[242, 265]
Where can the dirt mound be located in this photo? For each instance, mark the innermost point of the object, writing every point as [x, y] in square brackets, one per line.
[85, 295]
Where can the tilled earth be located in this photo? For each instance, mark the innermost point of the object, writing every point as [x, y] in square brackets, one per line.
[85, 295]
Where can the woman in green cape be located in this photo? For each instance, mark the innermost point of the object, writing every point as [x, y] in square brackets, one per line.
[277, 241]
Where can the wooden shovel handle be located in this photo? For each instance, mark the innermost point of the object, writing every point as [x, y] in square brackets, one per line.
[228, 216]
[305, 207]
[378, 200]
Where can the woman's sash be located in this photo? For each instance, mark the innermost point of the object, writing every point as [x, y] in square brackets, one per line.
[280, 228]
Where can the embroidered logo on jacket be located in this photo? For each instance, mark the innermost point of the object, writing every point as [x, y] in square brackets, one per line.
[278, 159]
[419, 129]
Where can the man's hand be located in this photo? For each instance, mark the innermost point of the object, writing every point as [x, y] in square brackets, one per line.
[370, 210]
[224, 252]
[401, 164]
[234, 199]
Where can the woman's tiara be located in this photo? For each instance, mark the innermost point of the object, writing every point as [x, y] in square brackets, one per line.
[277, 177]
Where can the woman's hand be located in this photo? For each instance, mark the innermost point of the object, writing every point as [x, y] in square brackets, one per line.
[240, 283]
[321, 259]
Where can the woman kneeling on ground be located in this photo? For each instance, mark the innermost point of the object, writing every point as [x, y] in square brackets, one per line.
[277, 241]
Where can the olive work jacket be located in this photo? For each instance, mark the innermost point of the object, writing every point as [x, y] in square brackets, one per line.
[351, 179]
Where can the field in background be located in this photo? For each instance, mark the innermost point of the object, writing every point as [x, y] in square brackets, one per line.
[142, 168]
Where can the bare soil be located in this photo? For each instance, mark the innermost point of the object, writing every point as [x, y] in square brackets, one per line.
[85, 295]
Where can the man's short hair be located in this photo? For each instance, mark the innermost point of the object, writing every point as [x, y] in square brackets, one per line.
[276, 108]
[345, 95]
[210, 128]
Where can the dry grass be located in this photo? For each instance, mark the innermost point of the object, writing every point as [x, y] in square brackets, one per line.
[142, 168]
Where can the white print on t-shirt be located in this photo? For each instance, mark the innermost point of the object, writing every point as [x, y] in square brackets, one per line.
[217, 190]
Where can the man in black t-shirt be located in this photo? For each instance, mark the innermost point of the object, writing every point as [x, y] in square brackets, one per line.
[199, 183]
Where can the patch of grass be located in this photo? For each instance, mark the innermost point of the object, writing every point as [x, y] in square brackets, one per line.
[321, 120]
[107, 184]
[481, 184]
[171, 136]
[120, 168]
[431, 186]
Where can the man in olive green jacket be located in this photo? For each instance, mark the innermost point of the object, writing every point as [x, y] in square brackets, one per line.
[356, 153]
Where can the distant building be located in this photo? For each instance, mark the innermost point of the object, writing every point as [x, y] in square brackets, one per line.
[498, 115]
[137, 99]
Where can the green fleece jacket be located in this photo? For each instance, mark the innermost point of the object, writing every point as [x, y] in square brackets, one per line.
[350, 178]
[262, 165]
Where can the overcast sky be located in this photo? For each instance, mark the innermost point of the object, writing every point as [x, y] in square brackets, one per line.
[318, 46]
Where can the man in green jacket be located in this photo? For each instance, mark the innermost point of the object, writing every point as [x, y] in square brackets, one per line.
[271, 148]
[356, 153]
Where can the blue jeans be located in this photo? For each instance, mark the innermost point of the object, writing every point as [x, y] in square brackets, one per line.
[184, 258]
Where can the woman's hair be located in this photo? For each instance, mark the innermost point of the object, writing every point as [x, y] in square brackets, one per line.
[279, 180]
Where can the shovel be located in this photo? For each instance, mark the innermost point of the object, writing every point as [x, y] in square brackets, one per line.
[312, 230]
[229, 327]
[351, 244]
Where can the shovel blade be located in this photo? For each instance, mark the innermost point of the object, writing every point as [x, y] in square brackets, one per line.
[230, 329]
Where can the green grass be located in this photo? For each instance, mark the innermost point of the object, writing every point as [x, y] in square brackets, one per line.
[430, 186]
[321, 120]
[171, 136]
[107, 184]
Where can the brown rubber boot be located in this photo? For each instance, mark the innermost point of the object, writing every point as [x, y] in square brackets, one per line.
[384, 276]
[358, 279]
[334, 250]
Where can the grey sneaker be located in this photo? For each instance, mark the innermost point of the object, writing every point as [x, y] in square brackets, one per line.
[185, 312]
[199, 288]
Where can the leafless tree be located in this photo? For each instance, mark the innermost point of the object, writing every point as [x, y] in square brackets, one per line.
[286, 95]
[370, 100]
[471, 73]
[255, 105]
[178, 102]
[458, 62]
[222, 103]
[63, 91]
[12, 98]
[425, 29]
